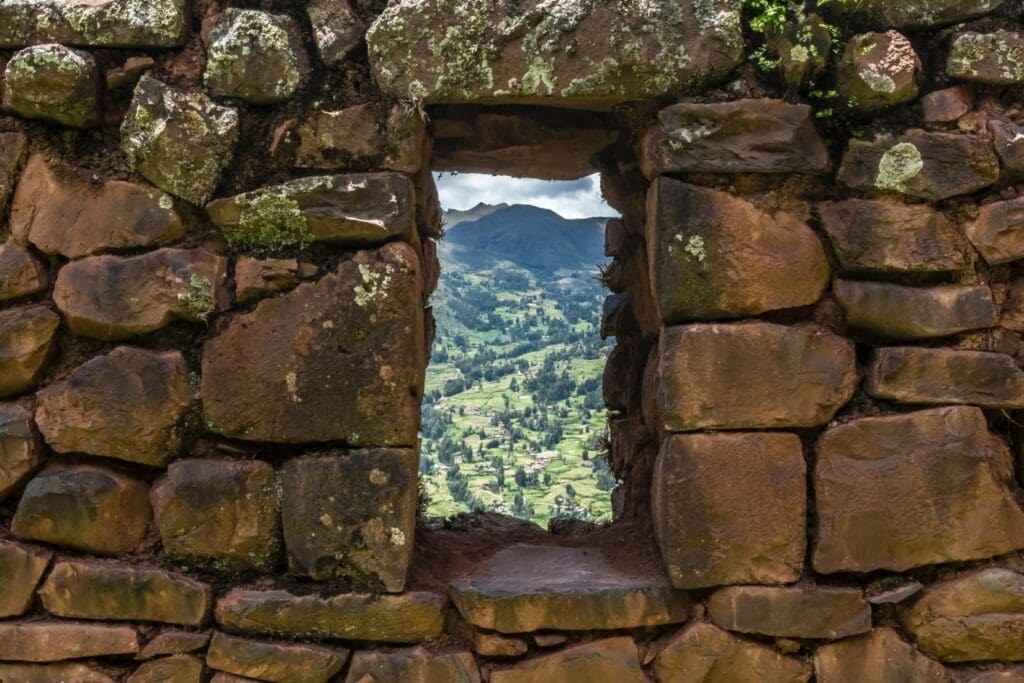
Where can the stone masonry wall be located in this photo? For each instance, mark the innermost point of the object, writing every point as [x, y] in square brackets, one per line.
[219, 234]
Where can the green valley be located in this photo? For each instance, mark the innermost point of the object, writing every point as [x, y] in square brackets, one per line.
[513, 418]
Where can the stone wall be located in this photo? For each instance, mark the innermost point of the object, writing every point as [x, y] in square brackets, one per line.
[219, 242]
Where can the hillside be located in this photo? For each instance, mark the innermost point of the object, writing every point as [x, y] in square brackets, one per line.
[513, 413]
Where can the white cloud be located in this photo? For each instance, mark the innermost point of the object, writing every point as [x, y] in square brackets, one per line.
[569, 198]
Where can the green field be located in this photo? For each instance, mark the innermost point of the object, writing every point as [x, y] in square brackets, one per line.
[514, 418]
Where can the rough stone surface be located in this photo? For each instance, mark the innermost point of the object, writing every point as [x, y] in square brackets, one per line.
[1008, 140]
[365, 135]
[415, 665]
[54, 83]
[173, 642]
[938, 376]
[919, 164]
[494, 645]
[48, 673]
[20, 452]
[351, 515]
[878, 656]
[775, 377]
[26, 340]
[883, 237]
[53, 641]
[257, 278]
[947, 105]
[730, 508]
[801, 611]
[180, 142]
[995, 58]
[21, 569]
[527, 588]
[407, 618]
[21, 273]
[337, 29]
[103, 590]
[612, 659]
[219, 513]
[179, 669]
[998, 231]
[702, 653]
[67, 213]
[586, 55]
[12, 153]
[359, 209]
[352, 340]
[90, 508]
[270, 661]
[919, 14]
[979, 616]
[713, 255]
[934, 487]
[743, 136]
[115, 297]
[111, 23]
[900, 312]
[255, 56]
[879, 70]
[127, 404]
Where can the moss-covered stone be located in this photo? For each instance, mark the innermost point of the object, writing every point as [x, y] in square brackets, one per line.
[916, 14]
[995, 58]
[53, 83]
[879, 70]
[110, 23]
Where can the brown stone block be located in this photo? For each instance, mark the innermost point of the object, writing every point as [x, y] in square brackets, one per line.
[800, 611]
[939, 376]
[1008, 140]
[998, 231]
[91, 508]
[65, 212]
[731, 508]
[337, 29]
[878, 656]
[54, 641]
[21, 273]
[21, 568]
[20, 451]
[879, 70]
[352, 340]
[947, 105]
[174, 642]
[127, 404]
[612, 659]
[222, 514]
[714, 255]
[272, 661]
[178, 669]
[26, 340]
[365, 135]
[702, 653]
[743, 136]
[995, 58]
[48, 673]
[934, 487]
[753, 375]
[413, 664]
[114, 23]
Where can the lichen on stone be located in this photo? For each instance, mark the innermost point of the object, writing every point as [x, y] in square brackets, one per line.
[900, 164]
[269, 221]
[197, 298]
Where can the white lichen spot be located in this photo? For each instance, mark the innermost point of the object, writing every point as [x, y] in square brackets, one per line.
[900, 163]
[291, 382]
[878, 82]
[695, 248]
[378, 477]
[374, 284]
[397, 537]
[799, 54]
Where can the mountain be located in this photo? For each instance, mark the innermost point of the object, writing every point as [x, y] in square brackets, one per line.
[513, 413]
[527, 236]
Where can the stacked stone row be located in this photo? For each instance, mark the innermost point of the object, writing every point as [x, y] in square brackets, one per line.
[833, 403]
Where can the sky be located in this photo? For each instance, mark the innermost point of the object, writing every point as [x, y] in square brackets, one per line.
[568, 198]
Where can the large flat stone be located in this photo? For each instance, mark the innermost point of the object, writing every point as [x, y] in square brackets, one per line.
[20, 448]
[878, 656]
[26, 342]
[702, 653]
[934, 487]
[54, 641]
[362, 136]
[127, 404]
[177, 669]
[800, 611]
[995, 58]
[613, 659]
[104, 23]
[527, 588]
[358, 209]
[21, 273]
[95, 509]
[114, 297]
[351, 515]
[270, 661]
[221, 514]
[893, 311]
[414, 665]
[48, 673]
[353, 340]
[103, 590]
[919, 164]
[870, 237]
[578, 54]
[743, 136]
[407, 618]
[940, 376]
[714, 255]
[998, 230]
[979, 616]
[918, 14]
[174, 641]
[731, 508]
[752, 376]
[21, 569]
[65, 212]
